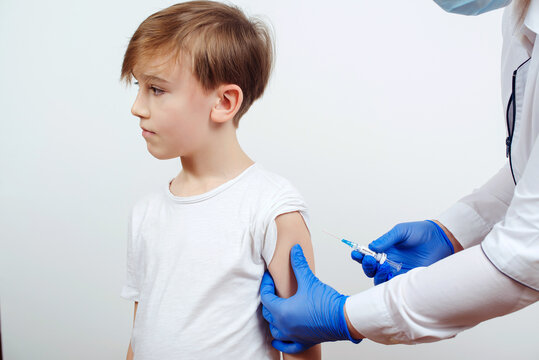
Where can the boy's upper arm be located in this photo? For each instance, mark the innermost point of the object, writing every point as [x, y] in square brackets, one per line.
[291, 230]
[130, 354]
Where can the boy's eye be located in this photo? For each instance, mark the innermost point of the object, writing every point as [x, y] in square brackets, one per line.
[156, 91]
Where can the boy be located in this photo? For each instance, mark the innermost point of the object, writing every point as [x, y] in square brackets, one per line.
[198, 249]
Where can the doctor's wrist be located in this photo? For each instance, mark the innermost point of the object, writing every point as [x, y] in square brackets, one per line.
[456, 245]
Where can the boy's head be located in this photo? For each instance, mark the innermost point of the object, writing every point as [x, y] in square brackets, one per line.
[217, 42]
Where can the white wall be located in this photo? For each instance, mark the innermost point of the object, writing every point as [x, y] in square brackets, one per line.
[378, 111]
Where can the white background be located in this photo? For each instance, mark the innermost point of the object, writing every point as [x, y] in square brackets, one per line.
[378, 111]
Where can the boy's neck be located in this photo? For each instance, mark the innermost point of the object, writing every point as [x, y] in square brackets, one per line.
[222, 160]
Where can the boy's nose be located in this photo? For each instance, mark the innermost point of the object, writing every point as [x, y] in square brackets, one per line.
[139, 108]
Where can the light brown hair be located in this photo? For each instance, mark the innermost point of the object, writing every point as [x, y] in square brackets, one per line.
[222, 44]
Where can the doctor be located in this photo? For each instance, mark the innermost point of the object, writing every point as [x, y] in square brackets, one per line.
[484, 250]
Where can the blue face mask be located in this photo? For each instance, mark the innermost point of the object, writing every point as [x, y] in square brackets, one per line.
[471, 7]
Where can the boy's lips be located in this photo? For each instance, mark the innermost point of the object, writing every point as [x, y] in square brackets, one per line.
[146, 132]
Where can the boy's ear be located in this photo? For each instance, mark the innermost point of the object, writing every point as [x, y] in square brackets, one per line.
[229, 103]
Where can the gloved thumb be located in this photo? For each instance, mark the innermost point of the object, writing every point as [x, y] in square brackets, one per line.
[299, 265]
[384, 242]
[357, 256]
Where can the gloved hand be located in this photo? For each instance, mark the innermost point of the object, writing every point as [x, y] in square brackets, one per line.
[413, 244]
[313, 315]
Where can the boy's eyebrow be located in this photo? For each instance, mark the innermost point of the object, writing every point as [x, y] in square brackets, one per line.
[149, 78]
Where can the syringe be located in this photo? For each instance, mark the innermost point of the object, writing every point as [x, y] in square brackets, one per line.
[380, 257]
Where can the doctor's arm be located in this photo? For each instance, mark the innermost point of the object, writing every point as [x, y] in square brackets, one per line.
[463, 225]
[437, 302]
[482, 282]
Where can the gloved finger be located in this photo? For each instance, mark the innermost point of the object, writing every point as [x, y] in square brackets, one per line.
[289, 347]
[357, 256]
[301, 268]
[267, 293]
[275, 333]
[382, 275]
[370, 266]
[266, 314]
[392, 237]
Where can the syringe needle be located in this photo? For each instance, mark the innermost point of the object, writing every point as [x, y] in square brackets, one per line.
[330, 234]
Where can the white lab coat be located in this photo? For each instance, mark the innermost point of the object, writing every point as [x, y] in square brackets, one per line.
[498, 225]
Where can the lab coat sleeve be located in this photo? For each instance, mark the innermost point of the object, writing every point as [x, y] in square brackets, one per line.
[473, 216]
[432, 303]
[513, 245]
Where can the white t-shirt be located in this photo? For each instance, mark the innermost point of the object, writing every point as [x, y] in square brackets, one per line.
[195, 264]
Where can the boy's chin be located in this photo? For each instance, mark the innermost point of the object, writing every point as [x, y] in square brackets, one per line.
[161, 155]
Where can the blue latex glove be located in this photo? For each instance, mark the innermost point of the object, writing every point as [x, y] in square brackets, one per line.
[313, 315]
[413, 244]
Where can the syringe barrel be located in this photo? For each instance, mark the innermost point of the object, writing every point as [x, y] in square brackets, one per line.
[380, 257]
[366, 251]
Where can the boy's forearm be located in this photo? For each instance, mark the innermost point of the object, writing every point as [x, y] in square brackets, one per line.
[312, 353]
